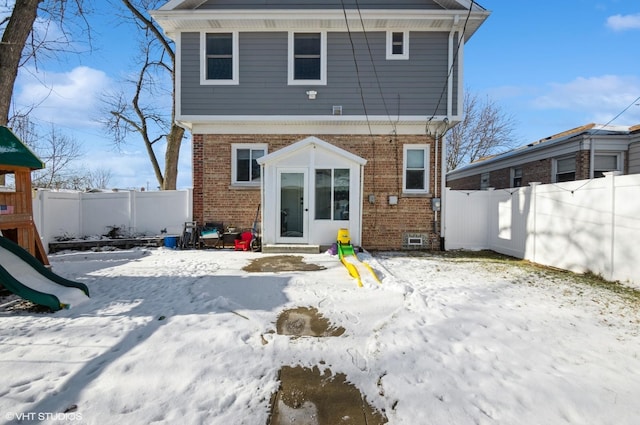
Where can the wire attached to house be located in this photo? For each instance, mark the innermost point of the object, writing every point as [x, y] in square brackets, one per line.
[375, 70]
[364, 105]
[453, 64]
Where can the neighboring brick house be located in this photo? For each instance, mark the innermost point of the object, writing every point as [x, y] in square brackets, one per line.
[581, 153]
[327, 113]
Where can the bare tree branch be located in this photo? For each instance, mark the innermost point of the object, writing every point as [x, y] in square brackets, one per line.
[140, 114]
[485, 130]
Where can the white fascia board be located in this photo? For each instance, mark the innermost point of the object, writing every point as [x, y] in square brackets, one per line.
[330, 20]
[517, 157]
[310, 141]
[551, 149]
[377, 125]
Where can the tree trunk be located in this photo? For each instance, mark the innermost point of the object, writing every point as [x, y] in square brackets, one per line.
[174, 140]
[13, 41]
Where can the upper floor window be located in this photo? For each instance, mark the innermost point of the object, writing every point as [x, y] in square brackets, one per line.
[308, 58]
[245, 169]
[564, 169]
[220, 61]
[398, 45]
[415, 176]
[603, 163]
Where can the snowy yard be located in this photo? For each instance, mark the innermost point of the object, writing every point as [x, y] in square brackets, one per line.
[189, 337]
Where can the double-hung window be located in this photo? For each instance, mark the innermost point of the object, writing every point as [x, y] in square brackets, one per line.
[397, 45]
[332, 194]
[604, 162]
[565, 169]
[220, 61]
[516, 177]
[415, 176]
[307, 58]
[245, 169]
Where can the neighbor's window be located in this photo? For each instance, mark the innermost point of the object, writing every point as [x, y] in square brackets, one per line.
[516, 177]
[332, 194]
[565, 169]
[415, 178]
[220, 63]
[485, 181]
[244, 166]
[604, 163]
[397, 45]
[307, 58]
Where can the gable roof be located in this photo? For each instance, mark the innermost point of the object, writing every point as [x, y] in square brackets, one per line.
[15, 153]
[311, 141]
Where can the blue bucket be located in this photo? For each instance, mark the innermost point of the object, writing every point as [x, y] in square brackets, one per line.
[171, 242]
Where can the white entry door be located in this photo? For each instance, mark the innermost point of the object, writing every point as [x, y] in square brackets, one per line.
[293, 220]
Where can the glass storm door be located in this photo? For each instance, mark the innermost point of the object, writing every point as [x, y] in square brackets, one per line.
[294, 211]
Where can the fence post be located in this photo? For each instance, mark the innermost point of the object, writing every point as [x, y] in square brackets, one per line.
[611, 177]
[534, 211]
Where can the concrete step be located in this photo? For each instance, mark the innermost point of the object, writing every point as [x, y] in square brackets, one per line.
[290, 248]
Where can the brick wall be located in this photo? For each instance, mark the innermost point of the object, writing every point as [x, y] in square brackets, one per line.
[384, 226]
[535, 171]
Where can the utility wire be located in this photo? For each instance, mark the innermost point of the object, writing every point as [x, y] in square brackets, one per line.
[623, 111]
[375, 70]
[453, 64]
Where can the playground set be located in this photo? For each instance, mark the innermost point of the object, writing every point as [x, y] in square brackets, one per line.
[23, 261]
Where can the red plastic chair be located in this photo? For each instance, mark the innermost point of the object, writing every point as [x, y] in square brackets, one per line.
[244, 243]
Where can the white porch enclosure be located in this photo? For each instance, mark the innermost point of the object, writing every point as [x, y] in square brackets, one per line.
[582, 226]
[79, 214]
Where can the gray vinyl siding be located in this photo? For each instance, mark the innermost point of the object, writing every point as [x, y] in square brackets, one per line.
[409, 87]
[319, 4]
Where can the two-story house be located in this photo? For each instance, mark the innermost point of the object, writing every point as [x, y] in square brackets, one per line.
[328, 114]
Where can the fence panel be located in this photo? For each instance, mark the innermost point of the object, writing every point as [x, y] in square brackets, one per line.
[79, 215]
[582, 226]
[466, 216]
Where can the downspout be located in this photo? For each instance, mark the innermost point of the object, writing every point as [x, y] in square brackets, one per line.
[361, 203]
[592, 157]
[454, 29]
[443, 184]
[442, 156]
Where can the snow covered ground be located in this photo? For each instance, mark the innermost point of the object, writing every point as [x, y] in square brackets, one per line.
[188, 337]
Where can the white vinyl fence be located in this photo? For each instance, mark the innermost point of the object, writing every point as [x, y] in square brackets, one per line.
[78, 215]
[582, 226]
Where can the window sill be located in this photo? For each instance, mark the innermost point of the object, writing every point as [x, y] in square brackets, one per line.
[417, 195]
[244, 187]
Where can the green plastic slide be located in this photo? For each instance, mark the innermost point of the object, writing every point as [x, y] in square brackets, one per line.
[25, 276]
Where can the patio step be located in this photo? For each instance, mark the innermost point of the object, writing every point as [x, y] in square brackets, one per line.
[290, 248]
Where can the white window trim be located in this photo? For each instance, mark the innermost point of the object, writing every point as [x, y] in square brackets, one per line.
[482, 180]
[554, 167]
[235, 60]
[618, 155]
[234, 162]
[427, 150]
[512, 175]
[323, 61]
[405, 46]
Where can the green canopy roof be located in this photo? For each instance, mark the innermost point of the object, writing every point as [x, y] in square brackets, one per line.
[15, 153]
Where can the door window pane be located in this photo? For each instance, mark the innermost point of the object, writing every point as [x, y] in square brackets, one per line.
[292, 205]
[341, 194]
[323, 194]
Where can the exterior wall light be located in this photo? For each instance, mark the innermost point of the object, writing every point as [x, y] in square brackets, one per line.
[312, 94]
